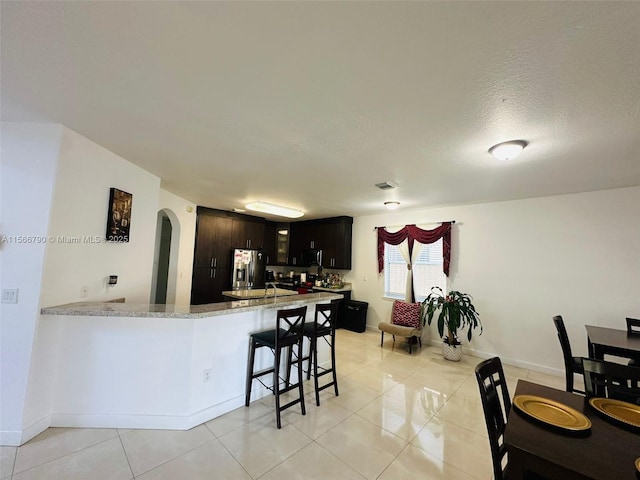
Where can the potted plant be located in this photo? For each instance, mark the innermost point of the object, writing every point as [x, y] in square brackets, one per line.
[456, 312]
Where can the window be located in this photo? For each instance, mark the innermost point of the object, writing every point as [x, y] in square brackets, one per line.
[427, 271]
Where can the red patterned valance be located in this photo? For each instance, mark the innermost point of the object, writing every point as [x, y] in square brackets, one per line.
[413, 233]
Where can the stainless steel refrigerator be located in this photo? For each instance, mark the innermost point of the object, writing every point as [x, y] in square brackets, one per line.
[249, 266]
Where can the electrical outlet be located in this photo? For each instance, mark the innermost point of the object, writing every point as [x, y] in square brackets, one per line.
[84, 291]
[9, 295]
[206, 375]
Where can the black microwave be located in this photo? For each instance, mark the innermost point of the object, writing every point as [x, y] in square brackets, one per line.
[311, 257]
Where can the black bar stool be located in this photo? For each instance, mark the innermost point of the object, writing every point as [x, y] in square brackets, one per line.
[323, 327]
[288, 332]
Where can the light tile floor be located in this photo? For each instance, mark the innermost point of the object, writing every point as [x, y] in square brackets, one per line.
[397, 416]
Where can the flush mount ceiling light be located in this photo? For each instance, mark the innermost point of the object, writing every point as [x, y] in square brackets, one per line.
[508, 150]
[265, 207]
[391, 205]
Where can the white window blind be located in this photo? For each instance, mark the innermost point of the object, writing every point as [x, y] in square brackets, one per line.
[427, 271]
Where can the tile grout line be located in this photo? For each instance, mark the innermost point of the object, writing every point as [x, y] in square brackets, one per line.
[13, 467]
[125, 454]
[61, 457]
[174, 458]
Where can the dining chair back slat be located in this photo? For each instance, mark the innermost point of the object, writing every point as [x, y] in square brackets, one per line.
[633, 328]
[611, 380]
[572, 365]
[496, 404]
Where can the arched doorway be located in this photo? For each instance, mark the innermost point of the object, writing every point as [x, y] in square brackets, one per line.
[163, 286]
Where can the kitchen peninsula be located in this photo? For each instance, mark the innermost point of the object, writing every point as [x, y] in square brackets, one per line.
[125, 365]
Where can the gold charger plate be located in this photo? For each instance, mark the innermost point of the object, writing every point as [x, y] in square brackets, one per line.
[552, 413]
[624, 412]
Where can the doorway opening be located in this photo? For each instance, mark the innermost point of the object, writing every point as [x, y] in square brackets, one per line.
[163, 287]
[163, 256]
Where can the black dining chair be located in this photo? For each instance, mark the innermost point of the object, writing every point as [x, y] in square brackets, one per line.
[572, 365]
[496, 404]
[633, 328]
[611, 380]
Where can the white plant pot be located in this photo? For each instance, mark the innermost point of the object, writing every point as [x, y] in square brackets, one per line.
[451, 353]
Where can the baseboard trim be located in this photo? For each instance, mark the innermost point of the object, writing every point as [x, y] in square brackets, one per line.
[10, 438]
[534, 367]
[15, 438]
[164, 422]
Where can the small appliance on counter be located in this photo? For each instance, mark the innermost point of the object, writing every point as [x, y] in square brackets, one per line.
[268, 277]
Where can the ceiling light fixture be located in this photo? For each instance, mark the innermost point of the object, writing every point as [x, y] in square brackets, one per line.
[391, 205]
[508, 150]
[265, 207]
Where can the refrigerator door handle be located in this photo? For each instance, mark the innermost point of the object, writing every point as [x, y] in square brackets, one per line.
[250, 275]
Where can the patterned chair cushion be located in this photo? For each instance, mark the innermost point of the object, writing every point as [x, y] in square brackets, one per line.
[406, 314]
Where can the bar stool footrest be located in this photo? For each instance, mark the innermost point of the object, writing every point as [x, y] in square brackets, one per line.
[320, 388]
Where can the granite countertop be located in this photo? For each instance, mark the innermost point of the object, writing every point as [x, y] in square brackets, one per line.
[144, 310]
[257, 293]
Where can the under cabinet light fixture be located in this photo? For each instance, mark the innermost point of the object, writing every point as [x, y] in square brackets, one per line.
[265, 207]
[391, 205]
[508, 150]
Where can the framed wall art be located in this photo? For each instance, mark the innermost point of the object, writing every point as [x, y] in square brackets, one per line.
[119, 216]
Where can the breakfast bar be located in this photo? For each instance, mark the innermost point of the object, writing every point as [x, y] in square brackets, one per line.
[123, 365]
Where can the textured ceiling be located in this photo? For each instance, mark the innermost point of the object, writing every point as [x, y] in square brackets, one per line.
[309, 104]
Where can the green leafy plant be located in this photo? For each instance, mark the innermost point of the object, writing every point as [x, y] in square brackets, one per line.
[456, 312]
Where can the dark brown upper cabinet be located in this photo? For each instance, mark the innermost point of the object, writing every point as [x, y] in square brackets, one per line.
[248, 232]
[331, 235]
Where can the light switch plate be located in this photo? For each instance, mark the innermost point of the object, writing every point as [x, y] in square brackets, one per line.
[9, 295]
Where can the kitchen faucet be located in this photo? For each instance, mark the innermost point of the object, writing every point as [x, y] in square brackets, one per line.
[275, 289]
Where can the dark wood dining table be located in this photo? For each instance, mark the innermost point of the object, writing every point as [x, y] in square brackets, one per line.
[608, 453]
[612, 341]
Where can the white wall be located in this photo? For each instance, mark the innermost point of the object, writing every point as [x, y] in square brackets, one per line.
[55, 183]
[29, 155]
[86, 172]
[523, 262]
[183, 223]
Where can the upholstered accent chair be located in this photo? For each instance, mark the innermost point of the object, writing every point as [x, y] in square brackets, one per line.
[405, 321]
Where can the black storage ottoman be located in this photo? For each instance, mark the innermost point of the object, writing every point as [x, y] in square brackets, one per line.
[353, 315]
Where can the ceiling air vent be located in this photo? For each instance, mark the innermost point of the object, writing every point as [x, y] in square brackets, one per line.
[385, 185]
